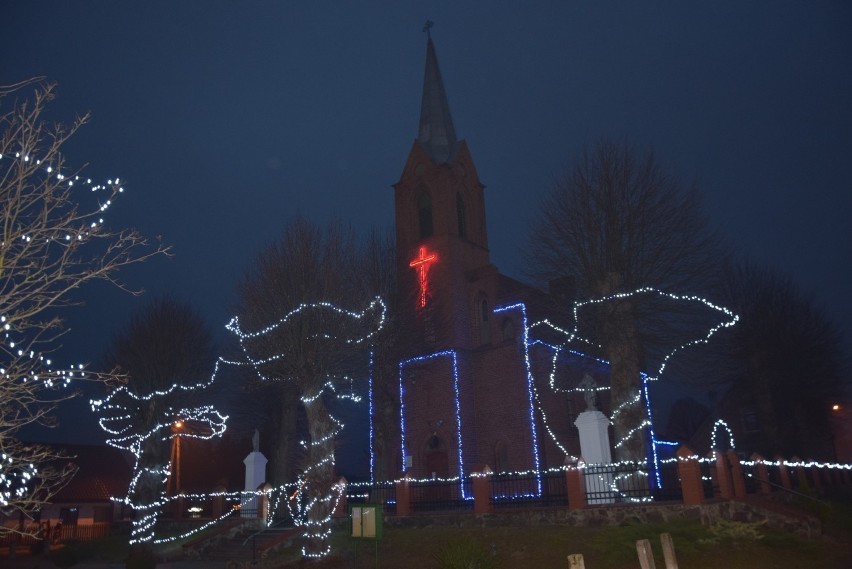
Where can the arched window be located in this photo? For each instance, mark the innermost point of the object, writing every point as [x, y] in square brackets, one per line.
[460, 213]
[481, 317]
[424, 214]
[508, 329]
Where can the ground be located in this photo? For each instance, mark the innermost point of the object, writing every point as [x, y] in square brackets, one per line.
[730, 545]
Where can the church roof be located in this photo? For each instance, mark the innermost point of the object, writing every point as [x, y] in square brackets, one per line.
[437, 134]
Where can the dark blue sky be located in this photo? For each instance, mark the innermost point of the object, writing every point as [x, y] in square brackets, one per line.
[227, 118]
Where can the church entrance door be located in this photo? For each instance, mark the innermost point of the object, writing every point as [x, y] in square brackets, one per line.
[437, 466]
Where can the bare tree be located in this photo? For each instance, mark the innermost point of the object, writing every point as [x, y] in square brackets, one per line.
[785, 361]
[619, 222]
[54, 240]
[167, 354]
[294, 337]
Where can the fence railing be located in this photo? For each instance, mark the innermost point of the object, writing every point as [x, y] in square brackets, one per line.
[530, 489]
[60, 533]
[431, 496]
[687, 478]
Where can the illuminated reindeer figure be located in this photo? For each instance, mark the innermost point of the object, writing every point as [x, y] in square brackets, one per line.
[140, 424]
[312, 346]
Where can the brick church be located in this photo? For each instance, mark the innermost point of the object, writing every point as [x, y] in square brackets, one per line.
[480, 384]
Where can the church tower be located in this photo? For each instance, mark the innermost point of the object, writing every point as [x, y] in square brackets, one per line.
[447, 282]
[467, 394]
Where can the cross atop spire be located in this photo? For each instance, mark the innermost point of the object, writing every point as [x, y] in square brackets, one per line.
[437, 133]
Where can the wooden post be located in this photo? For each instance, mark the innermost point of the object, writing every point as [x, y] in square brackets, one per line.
[737, 476]
[668, 550]
[723, 475]
[689, 471]
[784, 472]
[576, 485]
[646, 554]
[575, 561]
[403, 497]
[482, 492]
[762, 474]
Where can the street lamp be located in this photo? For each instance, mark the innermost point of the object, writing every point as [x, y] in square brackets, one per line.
[175, 454]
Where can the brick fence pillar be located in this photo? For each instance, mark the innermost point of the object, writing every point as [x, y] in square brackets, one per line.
[689, 471]
[737, 476]
[403, 497]
[815, 475]
[482, 491]
[762, 474]
[576, 484]
[784, 472]
[723, 475]
[801, 475]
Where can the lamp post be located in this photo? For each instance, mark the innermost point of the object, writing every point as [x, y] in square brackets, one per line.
[174, 479]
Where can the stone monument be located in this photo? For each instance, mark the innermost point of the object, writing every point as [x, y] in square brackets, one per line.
[255, 476]
[594, 444]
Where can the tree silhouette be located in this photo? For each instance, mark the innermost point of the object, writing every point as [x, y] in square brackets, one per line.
[294, 337]
[166, 353]
[616, 223]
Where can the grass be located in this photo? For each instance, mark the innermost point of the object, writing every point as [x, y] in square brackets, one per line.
[731, 545]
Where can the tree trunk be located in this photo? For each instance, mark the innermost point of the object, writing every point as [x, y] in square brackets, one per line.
[283, 467]
[319, 479]
[623, 351]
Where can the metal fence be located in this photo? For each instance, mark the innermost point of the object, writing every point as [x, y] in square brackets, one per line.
[708, 478]
[529, 489]
[665, 481]
[59, 533]
[378, 493]
[439, 495]
[617, 483]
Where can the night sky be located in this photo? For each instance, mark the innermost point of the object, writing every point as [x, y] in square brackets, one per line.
[228, 118]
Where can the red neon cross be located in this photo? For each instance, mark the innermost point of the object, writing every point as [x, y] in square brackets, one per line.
[421, 263]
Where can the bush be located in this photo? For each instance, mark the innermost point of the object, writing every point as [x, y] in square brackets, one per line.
[465, 554]
[142, 559]
[734, 531]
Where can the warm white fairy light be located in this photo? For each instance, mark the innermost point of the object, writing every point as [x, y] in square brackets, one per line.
[117, 417]
[571, 336]
[720, 424]
[30, 240]
[306, 502]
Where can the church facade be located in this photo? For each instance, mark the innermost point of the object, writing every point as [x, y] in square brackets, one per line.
[480, 384]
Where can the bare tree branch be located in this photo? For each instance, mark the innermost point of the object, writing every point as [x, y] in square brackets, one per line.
[53, 240]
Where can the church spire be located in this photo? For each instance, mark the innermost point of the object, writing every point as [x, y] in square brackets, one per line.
[436, 134]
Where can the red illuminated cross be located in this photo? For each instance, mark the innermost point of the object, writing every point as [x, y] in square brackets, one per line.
[421, 263]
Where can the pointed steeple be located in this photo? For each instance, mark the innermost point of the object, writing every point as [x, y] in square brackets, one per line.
[436, 133]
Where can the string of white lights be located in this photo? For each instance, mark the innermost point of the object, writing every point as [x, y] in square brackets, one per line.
[311, 508]
[118, 412]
